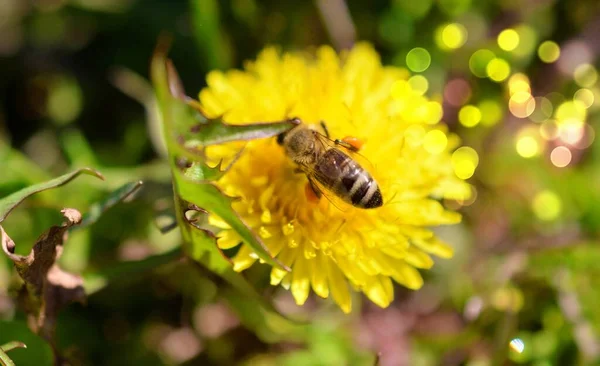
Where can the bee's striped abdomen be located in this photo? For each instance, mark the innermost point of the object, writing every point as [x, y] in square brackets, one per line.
[348, 180]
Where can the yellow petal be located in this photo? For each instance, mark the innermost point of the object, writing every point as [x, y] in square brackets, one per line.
[228, 239]
[211, 103]
[244, 258]
[379, 290]
[285, 282]
[408, 276]
[287, 257]
[417, 258]
[301, 280]
[435, 246]
[318, 277]
[354, 273]
[396, 251]
[367, 265]
[338, 287]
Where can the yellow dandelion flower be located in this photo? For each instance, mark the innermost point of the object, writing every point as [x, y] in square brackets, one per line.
[332, 250]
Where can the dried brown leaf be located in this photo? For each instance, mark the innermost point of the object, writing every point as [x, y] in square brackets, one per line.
[47, 288]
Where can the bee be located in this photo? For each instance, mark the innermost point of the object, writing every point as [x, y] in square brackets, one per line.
[329, 167]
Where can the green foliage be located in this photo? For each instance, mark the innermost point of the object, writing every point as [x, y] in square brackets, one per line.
[195, 191]
[37, 352]
[8, 203]
[69, 70]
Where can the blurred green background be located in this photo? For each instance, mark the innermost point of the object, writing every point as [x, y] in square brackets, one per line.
[519, 84]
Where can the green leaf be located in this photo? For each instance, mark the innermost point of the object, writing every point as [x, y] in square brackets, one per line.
[12, 345]
[215, 131]
[7, 204]
[96, 281]
[5, 360]
[96, 210]
[205, 20]
[207, 196]
[175, 106]
[38, 351]
[254, 310]
[194, 190]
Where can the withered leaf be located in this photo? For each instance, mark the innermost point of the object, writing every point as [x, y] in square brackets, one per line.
[47, 287]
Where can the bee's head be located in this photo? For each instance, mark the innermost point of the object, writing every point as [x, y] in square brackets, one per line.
[300, 145]
[296, 122]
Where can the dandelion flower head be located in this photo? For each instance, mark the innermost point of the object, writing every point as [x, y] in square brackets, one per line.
[329, 250]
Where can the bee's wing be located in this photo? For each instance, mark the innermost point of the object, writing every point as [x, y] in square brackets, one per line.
[314, 176]
[355, 155]
[323, 191]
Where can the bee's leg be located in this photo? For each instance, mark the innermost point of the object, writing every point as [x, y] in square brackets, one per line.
[351, 143]
[313, 194]
[325, 130]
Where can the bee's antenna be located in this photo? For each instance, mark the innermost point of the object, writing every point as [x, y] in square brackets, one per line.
[325, 129]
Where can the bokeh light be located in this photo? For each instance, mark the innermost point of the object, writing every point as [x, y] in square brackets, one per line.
[414, 135]
[527, 146]
[585, 97]
[507, 298]
[543, 110]
[546, 205]
[571, 110]
[432, 112]
[419, 84]
[585, 75]
[469, 116]
[549, 51]
[452, 36]
[527, 41]
[476, 25]
[464, 162]
[418, 59]
[517, 345]
[521, 104]
[65, 100]
[519, 82]
[527, 142]
[587, 138]
[573, 54]
[457, 92]
[571, 131]
[491, 112]
[498, 69]
[508, 39]
[478, 62]
[435, 141]
[561, 156]
[549, 130]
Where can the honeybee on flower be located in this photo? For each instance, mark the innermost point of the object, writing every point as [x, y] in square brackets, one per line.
[328, 168]
[383, 234]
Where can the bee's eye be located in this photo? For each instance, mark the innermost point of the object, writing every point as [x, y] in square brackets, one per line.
[280, 138]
